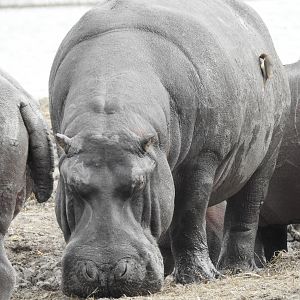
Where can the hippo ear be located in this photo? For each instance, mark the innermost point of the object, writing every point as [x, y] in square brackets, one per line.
[266, 66]
[40, 157]
[63, 141]
[148, 141]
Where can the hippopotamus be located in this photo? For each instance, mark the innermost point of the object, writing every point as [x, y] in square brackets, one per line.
[26, 163]
[160, 109]
[281, 206]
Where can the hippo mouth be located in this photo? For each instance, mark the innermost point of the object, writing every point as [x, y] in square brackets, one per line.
[130, 276]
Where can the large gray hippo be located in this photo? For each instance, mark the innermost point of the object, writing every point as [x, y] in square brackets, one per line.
[282, 205]
[26, 158]
[161, 109]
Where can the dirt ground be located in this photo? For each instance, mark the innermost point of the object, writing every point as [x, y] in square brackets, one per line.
[35, 245]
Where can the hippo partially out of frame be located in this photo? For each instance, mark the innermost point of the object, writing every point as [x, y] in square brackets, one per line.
[26, 157]
[282, 205]
[162, 108]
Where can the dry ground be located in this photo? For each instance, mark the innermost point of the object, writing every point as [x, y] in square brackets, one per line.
[35, 244]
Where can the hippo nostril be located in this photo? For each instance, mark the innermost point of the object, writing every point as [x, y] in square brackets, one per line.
[120, 270]
[90, 271]
[125, 270]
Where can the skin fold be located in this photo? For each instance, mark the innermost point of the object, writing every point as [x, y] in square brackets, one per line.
[26, 157]
[160, 110]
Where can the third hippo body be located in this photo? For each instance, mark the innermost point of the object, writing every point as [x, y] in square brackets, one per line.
[166, 103]
[281, 206]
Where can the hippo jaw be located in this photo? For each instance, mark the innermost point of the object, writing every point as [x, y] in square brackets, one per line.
[112, 218]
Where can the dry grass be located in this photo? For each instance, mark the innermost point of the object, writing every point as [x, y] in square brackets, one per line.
[36, 228]
[280, 280]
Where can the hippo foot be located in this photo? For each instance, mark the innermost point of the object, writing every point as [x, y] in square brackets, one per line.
[235, 267]
[199, 271]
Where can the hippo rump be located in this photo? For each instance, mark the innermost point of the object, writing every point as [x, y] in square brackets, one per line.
[26, 163]
[162, 109]
[282, 205]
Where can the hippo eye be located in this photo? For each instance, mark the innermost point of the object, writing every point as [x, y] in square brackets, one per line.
[82, 190]
[125, 192]
[129, 191]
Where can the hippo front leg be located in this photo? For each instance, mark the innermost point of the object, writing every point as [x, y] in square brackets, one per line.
[7, 274]
[7, 208]
[241, 222]
[194, 185]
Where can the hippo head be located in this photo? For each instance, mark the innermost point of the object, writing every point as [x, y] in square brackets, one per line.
[114, 201]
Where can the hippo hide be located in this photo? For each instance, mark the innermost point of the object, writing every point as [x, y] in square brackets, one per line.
[162, 108]
[26, 163]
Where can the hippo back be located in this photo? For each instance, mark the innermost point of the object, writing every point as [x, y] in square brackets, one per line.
[170, 20]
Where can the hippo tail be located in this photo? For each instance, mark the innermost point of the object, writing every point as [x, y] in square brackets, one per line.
[40, 156]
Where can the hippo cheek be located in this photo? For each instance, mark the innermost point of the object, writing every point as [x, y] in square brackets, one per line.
[112, 271]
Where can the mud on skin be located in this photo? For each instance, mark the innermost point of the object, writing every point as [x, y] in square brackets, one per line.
[155, 123]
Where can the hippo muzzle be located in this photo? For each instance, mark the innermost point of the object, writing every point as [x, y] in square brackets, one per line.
[92, 270]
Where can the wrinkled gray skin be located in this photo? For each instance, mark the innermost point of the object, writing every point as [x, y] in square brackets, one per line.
[282, 205]
[26, 157]
[162, 110]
